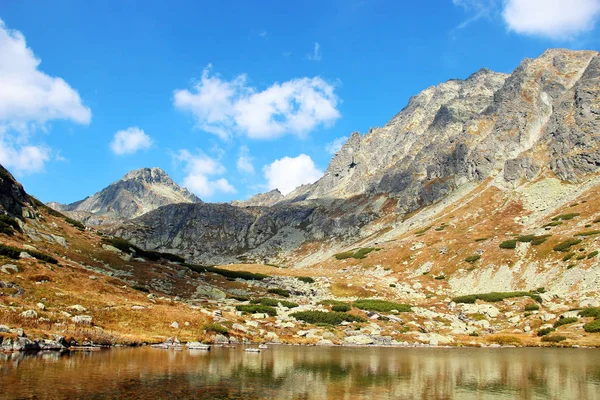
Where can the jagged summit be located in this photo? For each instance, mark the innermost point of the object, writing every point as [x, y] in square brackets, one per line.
[138, 192]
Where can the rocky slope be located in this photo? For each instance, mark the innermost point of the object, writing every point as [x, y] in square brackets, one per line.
[136, 193]
[540, 121]
[260, 200]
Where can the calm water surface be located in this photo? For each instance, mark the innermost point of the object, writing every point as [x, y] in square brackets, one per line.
[289, 372]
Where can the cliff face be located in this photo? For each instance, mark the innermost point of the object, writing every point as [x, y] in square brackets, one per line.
[136, 193]
[13, 198]
[541, 120]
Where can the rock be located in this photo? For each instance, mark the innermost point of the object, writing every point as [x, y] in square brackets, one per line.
[221, 339]
[253, 324]
[417, 246]
[25, 255]
[77, 307]
[328, 335]
[9, 269]
[19, 344]
[197, 346]
[259, 316]
[590, 302]
[373, 315]
[174, 325]
[93, 277]
[359, 340]
[570, 314]
[272, 337]
[324, 342]
[50, 345]
[110, 248]
[486, 309]
[138, 308]
[547, 317]
[239, 327]
[527, 328]
[210, 292]
[41, 306]
[29, 314]
[82, 319]
[4, 329]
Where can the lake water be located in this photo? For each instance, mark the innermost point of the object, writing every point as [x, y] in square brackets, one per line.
[293, 372]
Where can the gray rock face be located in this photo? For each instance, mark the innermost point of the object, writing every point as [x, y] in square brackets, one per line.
[136, 193]
[260, 200]
[543, 117]
[13, 199]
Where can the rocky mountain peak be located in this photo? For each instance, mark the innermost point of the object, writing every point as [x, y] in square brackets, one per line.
[260, 200]
[148, 175]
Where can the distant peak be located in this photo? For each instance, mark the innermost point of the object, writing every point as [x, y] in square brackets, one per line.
[153, 174]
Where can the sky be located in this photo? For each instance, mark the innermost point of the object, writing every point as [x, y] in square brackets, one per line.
[234, 98]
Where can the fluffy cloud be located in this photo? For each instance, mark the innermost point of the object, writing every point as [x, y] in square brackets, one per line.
[198, 168]
[129, 141]
[28, 99]
[225, 107]
[316, 54]
[556, 19]
[244, 161]
[287, 173]
[335, 145]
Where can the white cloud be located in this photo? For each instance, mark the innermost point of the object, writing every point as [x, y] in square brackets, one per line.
[555, 19]
[263, 34]
[28, 94]
[28, 99]
[335, 145]
[225, 107]
[198, 168]
[287, 173]
[244, 161]
[316, 54]
[477, 9]
[129, 141]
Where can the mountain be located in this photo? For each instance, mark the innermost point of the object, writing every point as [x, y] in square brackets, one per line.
[538, 122]
[136, 193]
[260, 200]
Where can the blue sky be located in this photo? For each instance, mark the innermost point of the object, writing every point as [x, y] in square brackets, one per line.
[233, 98]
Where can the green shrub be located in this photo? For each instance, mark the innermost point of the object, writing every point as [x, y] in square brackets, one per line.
[592, 254]
[305, 279]
[422, 231]
[381, 305]
[250, 276]
[9, 251]
[341, 308]
[257, 309]
[495, 297]
[42, 256]
[440, 278]
[481, 239]
[545, 331]
[593, 326]
[590, 312]
[588, 233]
[553, 223]
[541, 290]
[357, 254]
[508, 244]
[536, 241]
[566, 245]
[274, 302]
[554, 338]
[279, 292]
[532, 307]
[129, 248]
[474, 334]
[565, 217]
[141, 288]
[568, 256]
[473, 258]
[565, 321]
[570, 266]
[75, 223]
[7, 224]
[331, 318]
[216, 328]
[240, 298]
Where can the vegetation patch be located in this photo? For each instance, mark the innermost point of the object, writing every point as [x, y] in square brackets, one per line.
[565, 321]
[129, 248]
[545, 331]
[322, 317]
[240, 298]
[483, 239]
[566, 245]
[257, 309]
[381, 305]
[532, 307]
[341, 307]
[509, 244]
[494, 297]
[357, 254]
[274, 302]
[440, 278]
[588, 233]
[590, 312]
[279, 292]
[216, 328]
[75, 223]
[7, 224]
[305, 279]
[506, 340]
[592, 254]
[250, 276]
[553, 338]
[593, 326]
[141, 288]
[422, 231]
[473, 258]
[553, 223]
[10, 251]
[565, 217]
[568, 256]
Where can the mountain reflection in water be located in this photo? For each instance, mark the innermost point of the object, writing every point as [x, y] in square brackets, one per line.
[293, 372]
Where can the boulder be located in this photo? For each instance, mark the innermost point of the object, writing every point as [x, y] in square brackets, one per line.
[29, 314]
[221, 339]
[324, 342]
[9, 269]
[174, 325]
[82, 319]
[359, 340]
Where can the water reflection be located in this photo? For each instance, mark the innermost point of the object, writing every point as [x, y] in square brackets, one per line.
[287, 372]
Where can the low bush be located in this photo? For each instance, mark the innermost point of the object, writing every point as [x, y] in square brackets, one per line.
[250, 276]
[506, 340]
[305, 279]
[42, 256]
[590, 312]
[554, 338]
[565, 217]
[568, 256]
[216, 328]
[570, 266]
[532, 307]
[10, 251]
[341, 308]
[593, 326]
[553, 223]
[592, 254]
[39, 278]
[7, 224]
[536, 241]
[545, 331]
[565, 321]
[440, 278]
[141, 288]
[357, 254]
[279, 292]
[481, 239]
[14, 252]
[473, 258]
[422, 231]
[381, 305]
[494, 297]
[509, 244]
[257, 309]
[129, 248]
[566, 245]
[331, 318]
[240, 298]
[265, 301]
[588, 233]
[75, 223]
